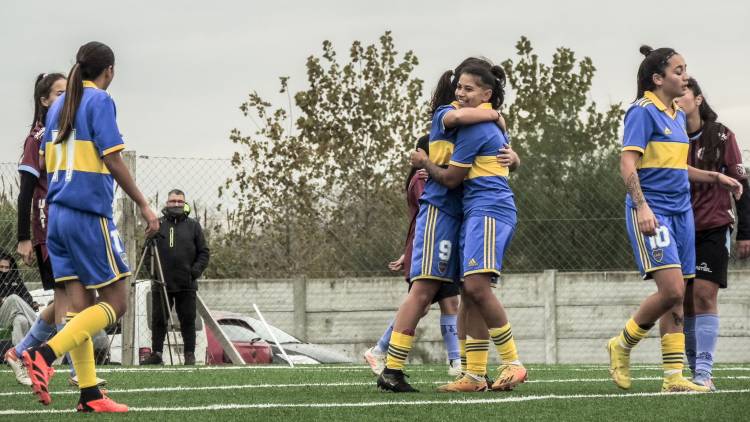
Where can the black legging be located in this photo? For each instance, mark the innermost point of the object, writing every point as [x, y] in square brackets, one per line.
[184, 302]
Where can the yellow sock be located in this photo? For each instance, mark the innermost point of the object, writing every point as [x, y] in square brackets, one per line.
[506, 346]
[81, 328]
[477, 351]
[462, 354]
[69, 316]
[83, 362]
[398, 350]
[673, 353]
[631, 335]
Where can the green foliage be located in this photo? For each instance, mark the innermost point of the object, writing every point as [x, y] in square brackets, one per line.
[568, 190]
[322, 193]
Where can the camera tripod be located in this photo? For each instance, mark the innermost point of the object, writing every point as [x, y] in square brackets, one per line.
[150, 245]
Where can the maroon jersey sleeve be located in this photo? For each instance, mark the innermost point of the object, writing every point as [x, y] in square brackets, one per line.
[30, 160]
[733, 157]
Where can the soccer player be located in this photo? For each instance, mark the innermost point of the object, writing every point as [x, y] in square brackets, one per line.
[82, 147]
[446, 297]
[31, 199]
[489, 219]
[712, 147]
[434, 259]
[659, 216]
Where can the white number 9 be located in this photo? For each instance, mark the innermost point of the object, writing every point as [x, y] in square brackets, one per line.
[445, 247]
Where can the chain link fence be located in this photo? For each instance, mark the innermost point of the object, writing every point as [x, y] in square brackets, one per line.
[573, 223]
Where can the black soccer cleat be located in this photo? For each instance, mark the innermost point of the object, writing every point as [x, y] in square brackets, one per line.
[393, 380]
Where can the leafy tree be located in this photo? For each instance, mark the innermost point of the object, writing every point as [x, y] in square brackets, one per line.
[322, 193]
[568, 190]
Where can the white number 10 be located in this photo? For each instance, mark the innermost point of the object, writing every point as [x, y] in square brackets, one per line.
[660, 239]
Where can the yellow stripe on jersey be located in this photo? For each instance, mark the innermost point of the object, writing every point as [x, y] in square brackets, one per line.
[650, 97]
[85, 157]
[633, 148]
[440, 152]
[487, 165]
[670, 155]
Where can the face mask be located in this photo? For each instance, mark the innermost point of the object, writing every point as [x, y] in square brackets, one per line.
[175, 211]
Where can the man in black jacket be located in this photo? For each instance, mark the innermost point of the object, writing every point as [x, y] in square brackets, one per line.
[184, 256]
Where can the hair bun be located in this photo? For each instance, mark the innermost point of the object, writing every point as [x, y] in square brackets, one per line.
[646, 50]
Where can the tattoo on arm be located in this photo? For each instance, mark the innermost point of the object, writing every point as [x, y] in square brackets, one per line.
[633, 185]
[678, 320]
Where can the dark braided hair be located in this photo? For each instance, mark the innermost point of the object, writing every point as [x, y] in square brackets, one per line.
[713, 134]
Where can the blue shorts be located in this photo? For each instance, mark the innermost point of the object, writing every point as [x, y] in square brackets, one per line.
[673, 245]
[85, 247]
[483, 243]
[435, 249]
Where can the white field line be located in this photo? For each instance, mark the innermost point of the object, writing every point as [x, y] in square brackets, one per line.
[453, 402]
[171, 389]
[355, 368]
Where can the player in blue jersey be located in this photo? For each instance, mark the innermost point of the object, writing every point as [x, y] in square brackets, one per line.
[434, 257]
[489, 219]
[658, 212]
[82, 156]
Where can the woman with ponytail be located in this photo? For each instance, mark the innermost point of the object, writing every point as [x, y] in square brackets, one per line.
[489, 219]
[659, 216]
[713, 147]
[434, 259]
[81, 148]
[32, 218]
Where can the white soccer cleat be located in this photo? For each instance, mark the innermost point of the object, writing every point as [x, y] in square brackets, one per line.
[376, 359]
[17, 366]
[73, 381]
[454, 368]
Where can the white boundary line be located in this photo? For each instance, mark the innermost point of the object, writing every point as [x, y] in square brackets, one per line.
[454, 402]
[171, 389]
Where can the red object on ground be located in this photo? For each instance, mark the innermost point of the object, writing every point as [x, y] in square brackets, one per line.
[257, 352]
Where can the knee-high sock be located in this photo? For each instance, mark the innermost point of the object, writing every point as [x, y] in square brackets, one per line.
[505, 344]
[83, 361]
[477, 352]
[462, 352]
[690, 344]
[39, 333]
[672, 353]
[398, 350]
[631, 334]
[385, 338]
[450, 336]
[81, 328]
[68, 317]
[706, 334]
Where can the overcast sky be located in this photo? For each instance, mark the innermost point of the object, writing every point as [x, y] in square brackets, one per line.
[183, 67]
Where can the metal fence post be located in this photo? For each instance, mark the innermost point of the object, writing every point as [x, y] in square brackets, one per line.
[300, 308]
[550, 316]
[127, 228]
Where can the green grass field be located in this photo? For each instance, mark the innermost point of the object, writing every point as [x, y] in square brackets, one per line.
[348, 392]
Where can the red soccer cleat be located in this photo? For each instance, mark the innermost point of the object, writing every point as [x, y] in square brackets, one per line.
[40, 374]
[102, 405]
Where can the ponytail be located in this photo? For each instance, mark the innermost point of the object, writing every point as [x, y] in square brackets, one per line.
[444, 92]
[92, 59]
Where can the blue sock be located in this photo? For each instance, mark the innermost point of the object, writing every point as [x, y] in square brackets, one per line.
[385, 339]
[38, 334]
[450, 335]
[690, 345]
[67, 355]
[706, 333]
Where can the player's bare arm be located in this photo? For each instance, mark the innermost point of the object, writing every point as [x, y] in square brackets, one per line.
[469, 116]
[508, 158]
[120, 172]
[726, 182]
[647, 222]
[449, 177]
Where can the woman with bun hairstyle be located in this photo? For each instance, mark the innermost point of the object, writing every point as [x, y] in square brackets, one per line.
[81, 148]
[658, 213]
[489, 220]
[713, 147]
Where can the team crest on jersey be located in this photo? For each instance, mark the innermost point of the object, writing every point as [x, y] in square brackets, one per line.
[658, 254]
[443, 266]
[667, 131]
[473, 262]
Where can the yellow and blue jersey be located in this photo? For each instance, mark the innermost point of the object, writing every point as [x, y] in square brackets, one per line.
[77, 176]
[486, 190]
[442, 143]
[660, 136]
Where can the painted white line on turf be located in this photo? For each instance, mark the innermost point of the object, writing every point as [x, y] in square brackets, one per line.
[453, 402]
[171, 389]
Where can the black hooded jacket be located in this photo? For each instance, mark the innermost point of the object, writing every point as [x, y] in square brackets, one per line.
[182, 250]
[11, 282]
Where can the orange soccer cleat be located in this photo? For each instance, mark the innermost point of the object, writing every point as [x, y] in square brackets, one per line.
[102, 405]
[40, 373]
